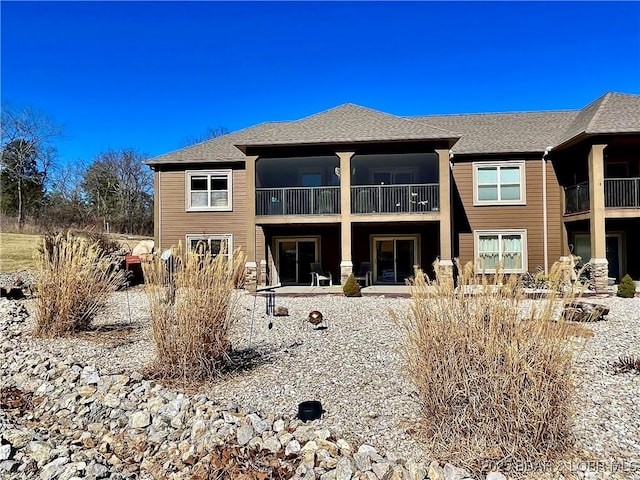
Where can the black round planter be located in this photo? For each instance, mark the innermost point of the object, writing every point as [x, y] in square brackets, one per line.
[309, 410]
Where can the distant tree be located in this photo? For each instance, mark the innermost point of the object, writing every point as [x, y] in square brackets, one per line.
[118, 188]
[209, 134]
[65, 203]
[27, 154]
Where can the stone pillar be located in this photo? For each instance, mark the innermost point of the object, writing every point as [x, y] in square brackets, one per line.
[263, 273]
[444, 273]
[599, 264]
[251, 267]
[346, 265]
[599, 274]
[251, 277]
[444, 201]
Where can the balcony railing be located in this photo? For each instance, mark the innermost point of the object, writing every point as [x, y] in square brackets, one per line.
[376, 199]
[622, 192]
[618, 193]
[298, 201]
[577, 198]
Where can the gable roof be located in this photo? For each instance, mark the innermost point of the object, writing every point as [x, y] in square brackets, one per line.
[503, 132]
[346, 123]
[611, 113]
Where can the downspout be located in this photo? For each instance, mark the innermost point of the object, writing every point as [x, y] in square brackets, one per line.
[545, 239]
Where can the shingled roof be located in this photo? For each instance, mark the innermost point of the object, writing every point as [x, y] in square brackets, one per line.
[517, 132]
[611, 113]
[347, 123]
[504, 132]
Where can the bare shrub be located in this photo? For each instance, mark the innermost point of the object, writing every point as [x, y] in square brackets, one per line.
[75, 278]
[492, 370]
[193, 307]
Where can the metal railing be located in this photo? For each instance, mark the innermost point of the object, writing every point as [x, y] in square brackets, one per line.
[577, 198]
[415, 198]
[622, 192]
[298, 201]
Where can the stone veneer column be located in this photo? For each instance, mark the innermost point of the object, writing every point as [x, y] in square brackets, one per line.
[346, 264]
[599, 263]
[445, 265]
[251, 267]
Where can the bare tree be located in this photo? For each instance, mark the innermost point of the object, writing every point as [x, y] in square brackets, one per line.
[28, 153]
[209, 134]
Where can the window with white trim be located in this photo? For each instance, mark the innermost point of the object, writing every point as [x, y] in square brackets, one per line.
[498, 184]
[506, 249]
[217, 244]
[209, 190]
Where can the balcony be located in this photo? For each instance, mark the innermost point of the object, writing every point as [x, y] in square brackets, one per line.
[618, 193]
[380, 199]
[298, 201]
[622, 192]
[577, 198]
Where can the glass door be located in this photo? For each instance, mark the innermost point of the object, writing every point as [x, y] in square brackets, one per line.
[295, 257]
[394, 259]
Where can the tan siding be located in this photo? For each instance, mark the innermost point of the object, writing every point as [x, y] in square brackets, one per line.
[176, 222]
[527, 217]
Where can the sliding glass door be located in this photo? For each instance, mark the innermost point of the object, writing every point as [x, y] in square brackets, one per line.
[394, 258]
[295, 256]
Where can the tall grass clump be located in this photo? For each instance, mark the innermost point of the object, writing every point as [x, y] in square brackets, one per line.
[193, 307]
[75, 278]
[491, 368]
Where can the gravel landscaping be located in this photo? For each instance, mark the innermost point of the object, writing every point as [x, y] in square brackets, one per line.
[354, 368]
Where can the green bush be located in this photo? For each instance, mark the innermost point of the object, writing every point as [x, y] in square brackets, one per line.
[626, 289]
[351, 288]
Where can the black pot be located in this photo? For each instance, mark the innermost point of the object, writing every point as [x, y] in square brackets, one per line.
[309, 410]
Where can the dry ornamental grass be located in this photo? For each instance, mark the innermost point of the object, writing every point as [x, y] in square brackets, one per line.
[493, 371]
[193, 303]
[75, 278]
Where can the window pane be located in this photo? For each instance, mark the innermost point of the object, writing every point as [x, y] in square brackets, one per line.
[219, 199]
[512, 251]
[488, 261]
[218, 183]
[215, 246]
[199, 183]
[488, 192]
[487, 175]
[510, 192]
[198, 199]
[488, 243]
[510, 175]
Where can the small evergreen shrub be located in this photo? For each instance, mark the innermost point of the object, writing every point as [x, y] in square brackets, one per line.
[626, 289]
[351, 288]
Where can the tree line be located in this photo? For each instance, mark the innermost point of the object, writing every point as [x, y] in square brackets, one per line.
[114, 191]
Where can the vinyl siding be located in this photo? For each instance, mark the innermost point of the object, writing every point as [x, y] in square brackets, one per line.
[175, 222]
[527, 217]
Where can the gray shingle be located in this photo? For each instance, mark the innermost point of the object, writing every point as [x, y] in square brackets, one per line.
[611, 113]
[516, 132]
[504, 132]
[345, 124]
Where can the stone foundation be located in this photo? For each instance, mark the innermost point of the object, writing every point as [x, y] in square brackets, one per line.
[251, 277]
[346, 269]
[599, 274]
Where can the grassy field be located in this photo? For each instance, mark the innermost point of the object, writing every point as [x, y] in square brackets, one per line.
[16, 251]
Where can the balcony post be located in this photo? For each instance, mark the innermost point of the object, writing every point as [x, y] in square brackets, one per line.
[444, 200]
[600, 267]
[251, 267]
[346, 264]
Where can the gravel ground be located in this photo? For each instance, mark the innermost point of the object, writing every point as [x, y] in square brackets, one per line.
[353, 367]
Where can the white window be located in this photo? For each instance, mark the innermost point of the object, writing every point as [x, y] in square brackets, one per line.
[498, 184]
[217, 244]
[504, 249]
[209, 190]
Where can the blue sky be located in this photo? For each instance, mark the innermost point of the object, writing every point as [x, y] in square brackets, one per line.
[148, 75]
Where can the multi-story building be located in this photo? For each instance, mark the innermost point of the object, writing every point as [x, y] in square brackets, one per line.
[353, 185]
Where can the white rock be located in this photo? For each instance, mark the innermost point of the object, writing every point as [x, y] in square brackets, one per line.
[244, 434]
[292, 448]
[140, 419]
[344, 469]
[5, 452]
[495, 476]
